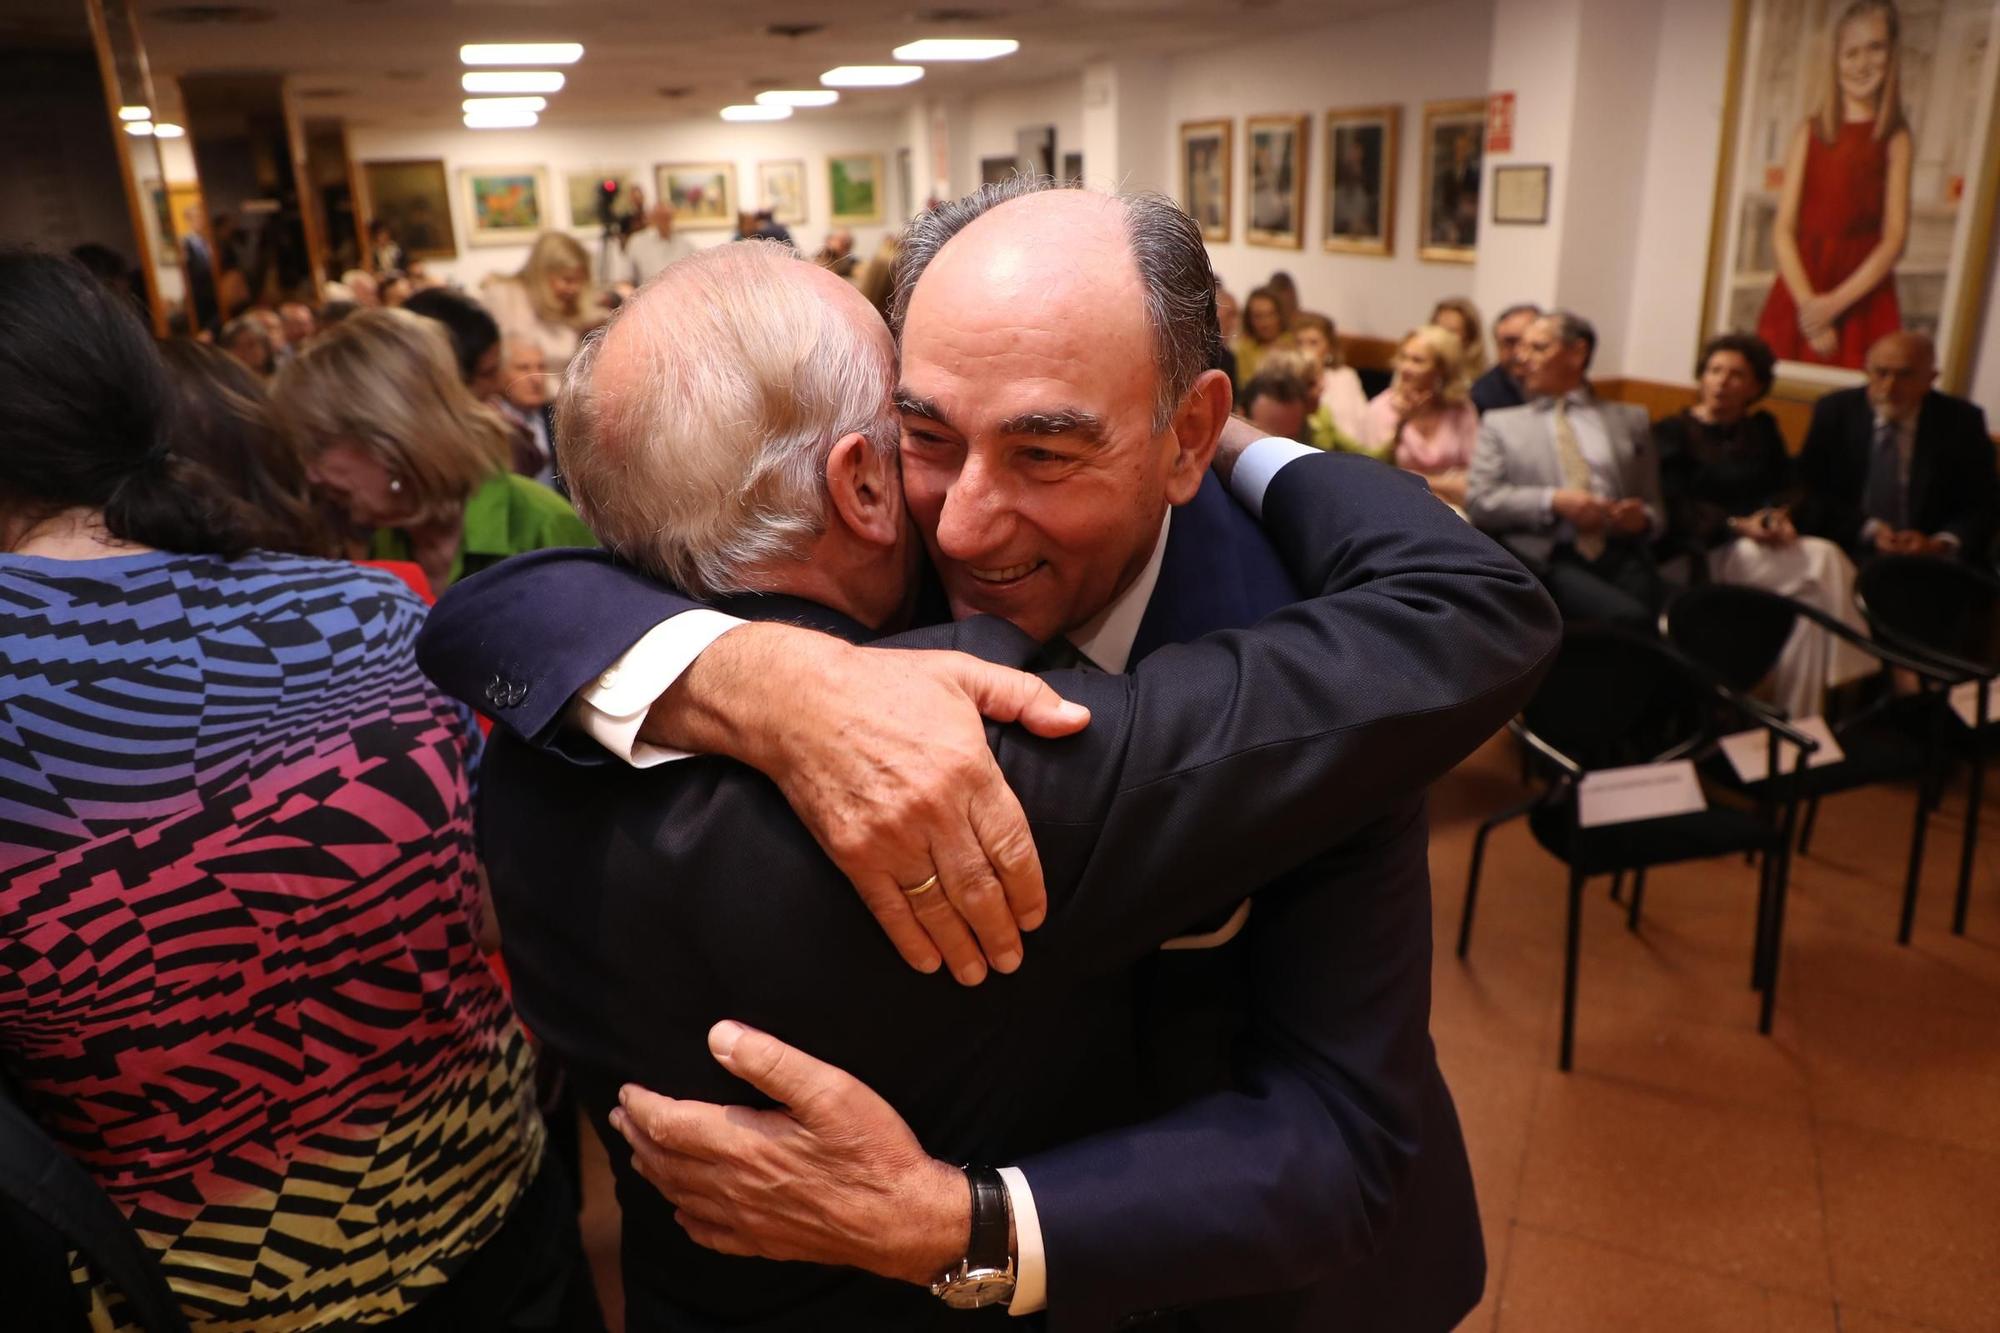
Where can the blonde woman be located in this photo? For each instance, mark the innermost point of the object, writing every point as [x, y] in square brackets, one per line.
[549, 302]
[1461, 316]
[1424, 422]
[395, 439]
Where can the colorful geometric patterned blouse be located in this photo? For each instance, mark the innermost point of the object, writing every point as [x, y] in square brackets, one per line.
[238, 973]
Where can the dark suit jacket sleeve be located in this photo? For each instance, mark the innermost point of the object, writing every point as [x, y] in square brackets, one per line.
[517, 640]
[1830, 505]
[1966, 458]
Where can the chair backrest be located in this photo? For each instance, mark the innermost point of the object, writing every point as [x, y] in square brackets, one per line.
[1924, 602]
[1616, 697]
[1734, 631]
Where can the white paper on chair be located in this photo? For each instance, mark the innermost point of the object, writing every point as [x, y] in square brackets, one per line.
[1965, 702]
[1643, 791]
[1749, 752]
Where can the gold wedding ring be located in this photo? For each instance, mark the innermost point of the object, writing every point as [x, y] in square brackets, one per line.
[922, 888]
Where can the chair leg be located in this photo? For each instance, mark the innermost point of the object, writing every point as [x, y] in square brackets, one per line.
[1618, 886]
[1478, 859]
[1973, 800]
[1805, 833]
[1569, 967]
[1638, 897]
[1774, 938]
[1916, 870]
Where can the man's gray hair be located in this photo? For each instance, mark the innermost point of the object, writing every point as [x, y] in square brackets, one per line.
[1167, 247]
[703, 460]
[1574, 328]
[1518, 308]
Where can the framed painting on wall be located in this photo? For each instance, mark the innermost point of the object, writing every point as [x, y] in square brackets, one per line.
[581, 187]
[1073, 168]
[1454, 151]
[1205, 146]
[505, 205]
[781, 187]
[854, 184]
[1855, 192]
[414, 198]
[1275, 147]
[703, 193]
[1361, 148]
[994, 170]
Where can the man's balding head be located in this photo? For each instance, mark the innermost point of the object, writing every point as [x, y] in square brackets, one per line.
[1901, 368]
[696, 428]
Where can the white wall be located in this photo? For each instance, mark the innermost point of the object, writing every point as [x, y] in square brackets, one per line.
[991, 121]
[808, 135]
[1408, 56]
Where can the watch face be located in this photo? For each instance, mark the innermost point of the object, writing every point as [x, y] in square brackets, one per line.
[978, 1288]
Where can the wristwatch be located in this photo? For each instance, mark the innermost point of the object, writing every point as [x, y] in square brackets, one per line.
[986, 1275]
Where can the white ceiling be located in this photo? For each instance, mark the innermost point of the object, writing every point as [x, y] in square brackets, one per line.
[395, 62]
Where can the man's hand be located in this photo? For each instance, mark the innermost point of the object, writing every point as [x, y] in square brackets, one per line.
[1237, 435]
[1904, 541]
[1585, 512]
[1628, 517]
[883, 757]
[836, 1178]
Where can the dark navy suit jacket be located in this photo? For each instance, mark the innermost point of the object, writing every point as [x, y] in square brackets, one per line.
[1327, 1166]
[1951, 487]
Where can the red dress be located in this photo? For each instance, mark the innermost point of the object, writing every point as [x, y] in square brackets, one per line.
[1841, 202]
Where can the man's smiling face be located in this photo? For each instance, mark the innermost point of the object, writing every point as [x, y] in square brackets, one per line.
[1030, 460]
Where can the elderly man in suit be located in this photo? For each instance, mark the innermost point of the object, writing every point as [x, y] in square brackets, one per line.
[1570, 483]
[1896, 467]
[1320, 1165]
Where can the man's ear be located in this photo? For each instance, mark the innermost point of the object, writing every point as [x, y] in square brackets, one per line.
[1196, 428]
[866, 490]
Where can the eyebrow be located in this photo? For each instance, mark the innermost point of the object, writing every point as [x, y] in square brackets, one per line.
[1050, 422]
[910, 404]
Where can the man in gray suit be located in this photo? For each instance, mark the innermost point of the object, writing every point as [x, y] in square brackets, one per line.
[1570, 483]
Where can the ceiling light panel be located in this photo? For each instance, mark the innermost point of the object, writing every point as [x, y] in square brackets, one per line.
[521, 53]
[799, 97]
[166, 129]
[500, 120]
[504, 104]
[958, 48]
[135, 113]
[756, 113]
[871, 76]
[512, 81]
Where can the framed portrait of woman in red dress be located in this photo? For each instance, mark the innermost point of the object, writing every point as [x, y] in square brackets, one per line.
[1856, 192]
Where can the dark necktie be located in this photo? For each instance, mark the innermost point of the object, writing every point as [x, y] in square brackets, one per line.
[1883, 499]
[1059, 654]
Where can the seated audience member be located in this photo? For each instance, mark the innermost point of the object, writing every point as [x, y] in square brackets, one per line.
[1280, 285]
[1320, 431]
[1570, 483]
[654, 246]
[1263, 329]
[299, 323]
[1228, 312]
[362, 288]
[1726, 481]
[336, 309]
[1461, 316]
[1275, 401]
[549, 302]
[274, 330]
[392, 437]
[877, 279]
[475, 338]
[1423, 422]
[1343, 403]
[384, 255]
[1897, 467]
[524, 402]
[1500, 386]
[837, 255]
[420, 276]
[396, 289]
[246, 994]
[245, 339]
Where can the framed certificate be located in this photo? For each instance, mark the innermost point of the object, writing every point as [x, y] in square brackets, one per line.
[1521, 196]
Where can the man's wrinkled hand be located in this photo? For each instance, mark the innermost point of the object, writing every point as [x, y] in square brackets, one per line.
[835, 1178]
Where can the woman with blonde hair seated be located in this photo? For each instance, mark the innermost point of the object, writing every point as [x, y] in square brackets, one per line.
[393, 437]
[549, 302]
[1424, 422]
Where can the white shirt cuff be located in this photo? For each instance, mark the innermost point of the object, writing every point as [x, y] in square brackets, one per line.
[1255, 469]
[611, 709]
[1031, 1270]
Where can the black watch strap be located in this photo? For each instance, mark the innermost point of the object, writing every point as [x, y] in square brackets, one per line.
[988, 1246]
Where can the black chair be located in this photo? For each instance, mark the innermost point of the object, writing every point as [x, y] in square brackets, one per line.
[1738, 633]
[1945, 612]
[1615, 698]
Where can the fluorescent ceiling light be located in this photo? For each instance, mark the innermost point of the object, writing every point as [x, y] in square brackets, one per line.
[521, 53]
[799, 97]
[135, 113]
[500, 120]
[513, 81]
[958, 48]
[139, 128]
[166, 129]
[505, 104]
[756, 113]
[871, 76]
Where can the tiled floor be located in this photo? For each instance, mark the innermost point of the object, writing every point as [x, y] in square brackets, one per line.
[1690, 1175]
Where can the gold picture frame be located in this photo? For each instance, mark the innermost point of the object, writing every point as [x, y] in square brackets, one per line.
[1205, 176]
[855, 183]
[412, 195]
[1448, 200]
[506, 205]
[1363, 148]
[703, 193]
[1274, 185]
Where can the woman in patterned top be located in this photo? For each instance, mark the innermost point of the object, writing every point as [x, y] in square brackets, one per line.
[238, 974]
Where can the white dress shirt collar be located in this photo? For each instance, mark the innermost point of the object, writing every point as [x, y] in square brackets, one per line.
[1107, 637]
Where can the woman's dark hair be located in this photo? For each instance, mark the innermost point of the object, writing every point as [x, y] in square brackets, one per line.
[89, 419]
[1754, 350]
[473, 332]
[224, 422]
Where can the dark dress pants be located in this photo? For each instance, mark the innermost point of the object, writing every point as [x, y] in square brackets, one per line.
[1620, 587]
